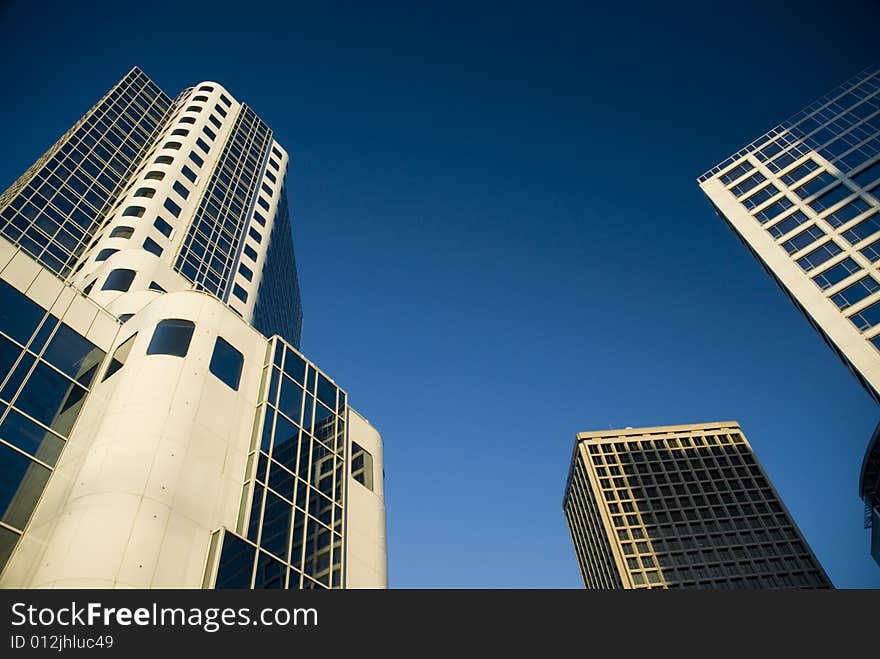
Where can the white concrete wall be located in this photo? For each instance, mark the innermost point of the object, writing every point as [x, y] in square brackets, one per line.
[155, 463]
[366, 556]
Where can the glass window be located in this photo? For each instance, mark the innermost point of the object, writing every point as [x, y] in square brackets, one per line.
[201, 98]
[815, 184]
[836, 273]
[205, 88]
[164, 160]
[210, 133]
[855, 292]
[236, 563]
[134, 211]
[172, 145]
[803, 239]
[190, 174]
[759, 197]
[245, 272]
[164, 228]
[240, 293]
[326, 392]
[51, 398]
[868, 175]
[21, 483]
[181, 189]
[799, 172]
[818, 256]
[172, 337]
[867, 227]
[867, 317]
[847, 212]
[120, 356]
[153, 247]
[187, 120]
[71, 353]
[196, 158]
[182, 132]
[225, 100]
[122, 232]
[226, 363]
[361, 466]
[255, 235]
[749, 183]
[788, 224]
[220, 111]
[202, 144]
[260, 219]
[155, 176]
[31, 438]
[172, 208]
[145, 192]
[19, 316]
[776, 208]
[214, 120]
[830, 198]
[105, 254]
[156, 287]
[872, 251]
[119, 280]
[250, 252]
[194, 108]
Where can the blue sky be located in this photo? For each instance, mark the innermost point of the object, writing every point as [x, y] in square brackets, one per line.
[501, 241]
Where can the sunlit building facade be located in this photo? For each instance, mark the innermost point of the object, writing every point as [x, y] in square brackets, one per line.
[686, 506]
[151, 435]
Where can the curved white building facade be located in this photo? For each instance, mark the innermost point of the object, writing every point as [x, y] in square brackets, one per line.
[185, 449]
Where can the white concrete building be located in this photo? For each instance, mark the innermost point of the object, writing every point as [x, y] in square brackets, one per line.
[151, 435]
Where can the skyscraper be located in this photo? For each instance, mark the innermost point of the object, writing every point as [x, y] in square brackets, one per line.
[684, 506]
[151, 435]
[804, 199]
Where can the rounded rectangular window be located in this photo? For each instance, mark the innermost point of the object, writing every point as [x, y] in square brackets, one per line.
[119, 280]
[172, 337]
[164, 160]
[122, 232]
[134, 211]
[155, 176]
[145, 192]
[226, 363]
[105, 254]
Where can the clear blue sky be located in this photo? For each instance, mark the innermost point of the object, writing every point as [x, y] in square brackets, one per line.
[501, 241]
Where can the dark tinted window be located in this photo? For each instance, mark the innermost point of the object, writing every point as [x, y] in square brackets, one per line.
[226, 363]
[105, 254]
[171, 207]
[236, 563]
[134, 211]
[19, 316]
[71, 353]
[119, 280]
[153, 247]
[172, 337]
[122, 232]
[163, 226]
[240, 293]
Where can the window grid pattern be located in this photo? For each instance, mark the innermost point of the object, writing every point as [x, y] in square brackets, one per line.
[46, 372]
[694, 509]
[297, 472]
[208, 253]
[278, 309]
[592, 548]
[54, 209]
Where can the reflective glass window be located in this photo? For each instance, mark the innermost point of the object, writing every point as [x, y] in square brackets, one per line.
[171, 337]
[226, 363]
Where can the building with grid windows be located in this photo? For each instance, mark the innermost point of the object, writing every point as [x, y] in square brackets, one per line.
[804, 199]
[151, 435]
[684, 506]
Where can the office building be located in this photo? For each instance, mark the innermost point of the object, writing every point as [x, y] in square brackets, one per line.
[804, 199]
[159, 426]
[683, 506]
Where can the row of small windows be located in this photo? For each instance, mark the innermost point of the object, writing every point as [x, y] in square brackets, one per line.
[173, 336]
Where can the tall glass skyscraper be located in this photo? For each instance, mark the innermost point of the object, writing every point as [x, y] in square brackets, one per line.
[804, 199]
[151, 435]
[681, 507]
